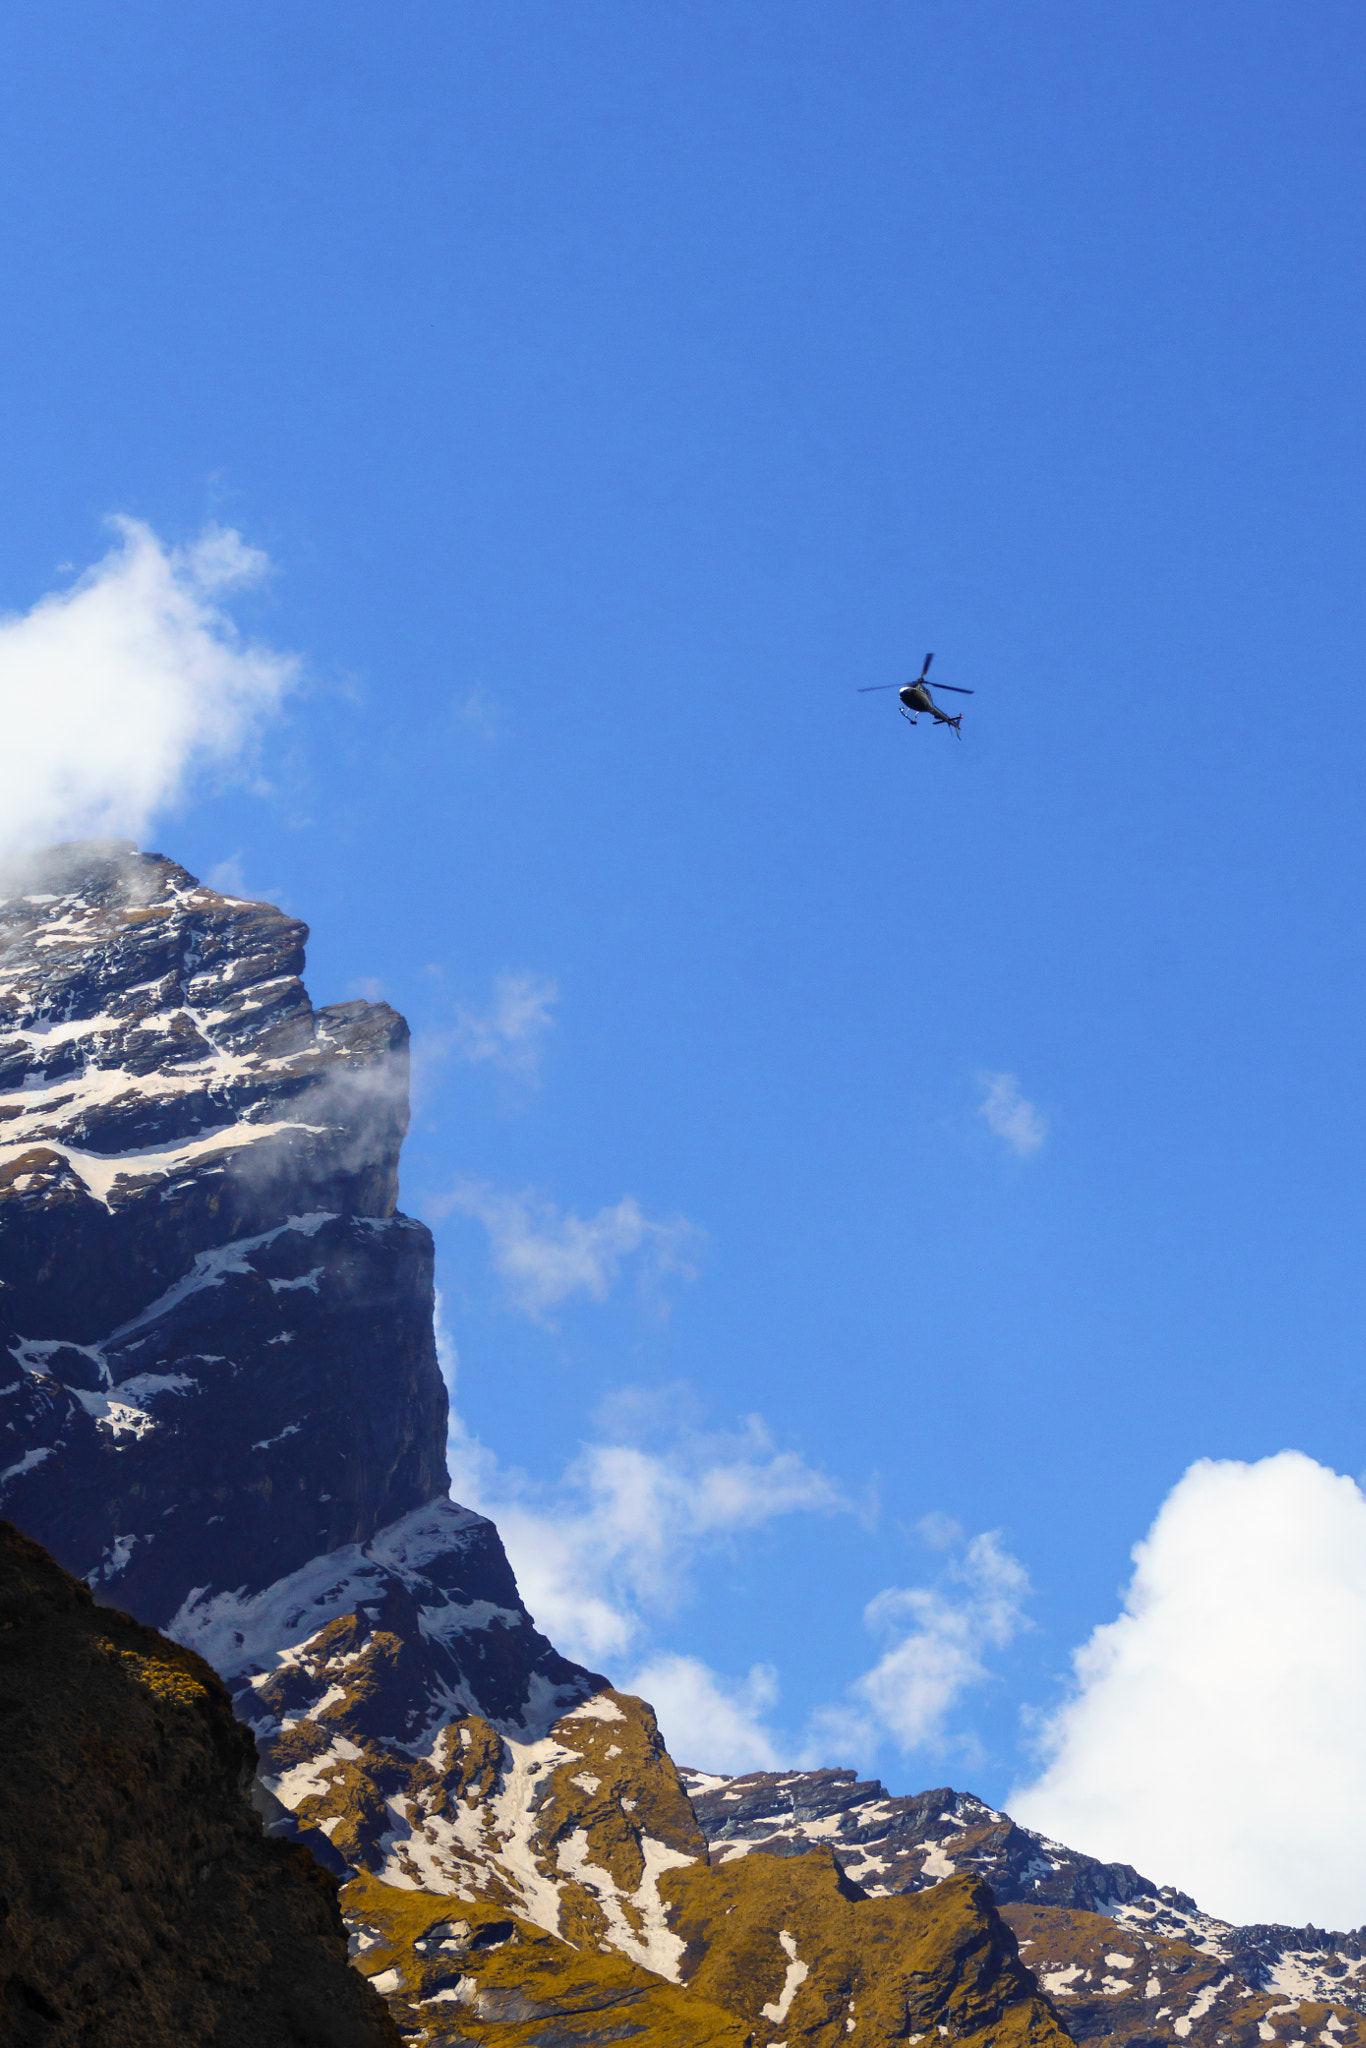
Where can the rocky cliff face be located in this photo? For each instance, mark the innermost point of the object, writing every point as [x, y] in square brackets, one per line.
[202, 1266]
[1123, 1959]
[222, 1410]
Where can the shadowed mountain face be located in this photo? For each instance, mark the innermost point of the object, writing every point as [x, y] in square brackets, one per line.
[142, 1906]
[220, 1407]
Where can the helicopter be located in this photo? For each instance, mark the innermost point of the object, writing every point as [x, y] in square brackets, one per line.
[915, 698]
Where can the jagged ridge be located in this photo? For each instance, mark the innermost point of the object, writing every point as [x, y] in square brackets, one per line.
[1128, 1959]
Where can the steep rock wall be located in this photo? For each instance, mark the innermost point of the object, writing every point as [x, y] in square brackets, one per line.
[221, 1329]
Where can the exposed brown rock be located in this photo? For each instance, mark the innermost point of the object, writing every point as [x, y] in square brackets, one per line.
[140, 1904]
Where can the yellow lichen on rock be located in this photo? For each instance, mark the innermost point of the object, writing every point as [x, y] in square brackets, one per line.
[612, 1818]
[571, 1828]
[169, 1681]
[469, 1758]
[620, 1783]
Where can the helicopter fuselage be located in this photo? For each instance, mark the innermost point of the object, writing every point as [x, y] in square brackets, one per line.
[916, 697]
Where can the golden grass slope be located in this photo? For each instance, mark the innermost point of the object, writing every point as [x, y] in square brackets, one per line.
[788, 1944]
[455, 1972]
[774, 1951]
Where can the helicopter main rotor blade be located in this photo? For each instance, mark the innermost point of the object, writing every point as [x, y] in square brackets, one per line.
[957, 689]
[864, 688]
[925, 671]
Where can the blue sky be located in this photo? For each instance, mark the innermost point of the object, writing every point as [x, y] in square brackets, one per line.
[614, 390]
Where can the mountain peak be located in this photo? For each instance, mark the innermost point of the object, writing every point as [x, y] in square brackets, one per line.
[224, 1412]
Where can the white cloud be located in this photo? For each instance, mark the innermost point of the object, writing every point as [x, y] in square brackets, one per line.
[611, 1548]
[546, 1258]
[115, 692]
[1215, 1739]
[708, 1722]
[508, 1034]
[937, 1637]
[1015, 1121]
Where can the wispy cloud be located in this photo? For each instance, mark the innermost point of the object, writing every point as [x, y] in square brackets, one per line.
[611, 1548]
[228, 875]
[477, 712]
[115, 692]
[1007, 1113]
[509, 1033]
[506, 1035]
[546, 1257]
[937, 1638]
[607, 1557]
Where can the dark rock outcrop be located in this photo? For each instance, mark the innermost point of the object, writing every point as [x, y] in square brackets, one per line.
[141, 1906]
[901, 1844]
[224, 1408]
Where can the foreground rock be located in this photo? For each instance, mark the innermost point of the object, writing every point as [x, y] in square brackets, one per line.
[1124, 1959]
[142, 1905]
